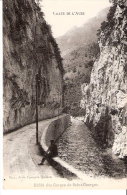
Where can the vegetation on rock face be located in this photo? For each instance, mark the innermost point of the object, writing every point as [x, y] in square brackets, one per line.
[108, 25]
[79, 49]
[78, 65]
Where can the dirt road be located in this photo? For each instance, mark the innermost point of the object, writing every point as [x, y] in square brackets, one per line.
[21, 154]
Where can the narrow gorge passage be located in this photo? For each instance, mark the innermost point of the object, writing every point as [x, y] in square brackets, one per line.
[78, 148]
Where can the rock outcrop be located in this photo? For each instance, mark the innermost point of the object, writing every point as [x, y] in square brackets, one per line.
[29, 48]
[105, 97]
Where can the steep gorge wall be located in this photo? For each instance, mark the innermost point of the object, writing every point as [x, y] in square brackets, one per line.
[105, 98]
[29, 48]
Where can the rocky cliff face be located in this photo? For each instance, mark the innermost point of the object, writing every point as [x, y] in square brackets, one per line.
[105, 97]
[29, 48]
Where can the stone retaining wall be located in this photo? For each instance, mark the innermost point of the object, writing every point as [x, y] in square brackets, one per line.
[53, 131]
[56, 128]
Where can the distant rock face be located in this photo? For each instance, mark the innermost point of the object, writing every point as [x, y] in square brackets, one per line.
[82, 36]
[29, 48]
[105, 98]
[79, 49]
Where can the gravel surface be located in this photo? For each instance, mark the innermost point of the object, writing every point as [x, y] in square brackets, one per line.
[78, 148]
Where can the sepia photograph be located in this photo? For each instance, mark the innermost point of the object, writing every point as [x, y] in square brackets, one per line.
[65, 94]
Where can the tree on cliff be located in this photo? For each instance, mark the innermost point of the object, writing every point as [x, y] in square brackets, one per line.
[107, 26]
